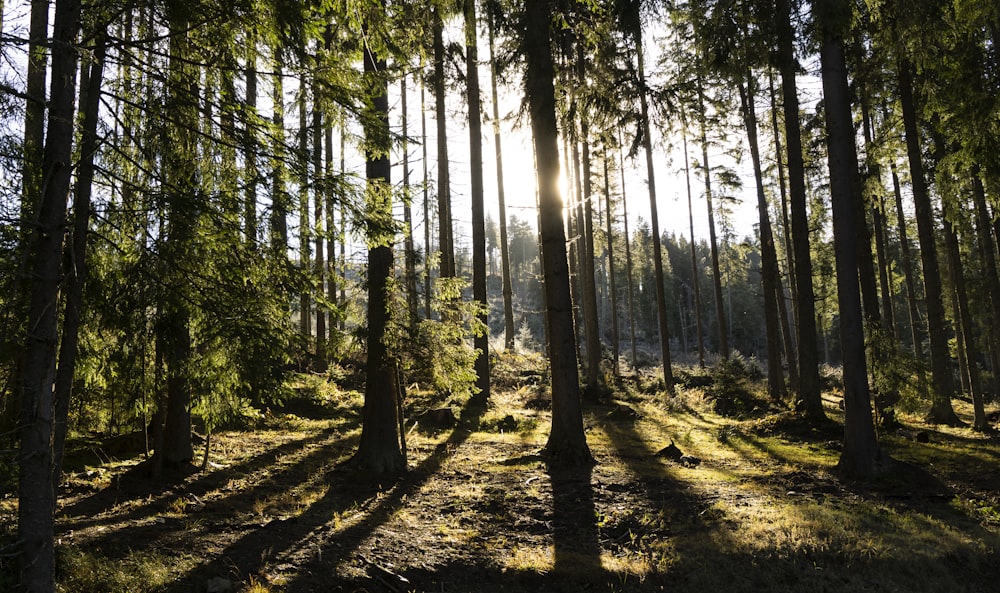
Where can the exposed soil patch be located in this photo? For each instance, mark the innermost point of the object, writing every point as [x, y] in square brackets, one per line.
[480, 510]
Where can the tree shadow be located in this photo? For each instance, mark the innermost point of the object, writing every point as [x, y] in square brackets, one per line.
[163, 521]
[309, 549]
[138, 484]
[576, 538]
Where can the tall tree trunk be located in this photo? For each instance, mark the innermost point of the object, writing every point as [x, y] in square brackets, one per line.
[788, 335]
[861, 455]
[647, 144]
[379, 448]
[810, 401]
[481, 342]
[989, 262]
[906, 260]
[183, 212]
[567, 441]
[695, 276]
[590, 318]
[426, 196]
[508, 307]
[941, 410]
[76, 268]
[319, 265]
[628, 261]
[34, 109]
[410, 261]
[331, 244]
[609, 213]
[720, 310]
[305, 233]
[769, 256]
[445, 233]
[279, 195]
[36, 495]
[964, 318]
[250, 147]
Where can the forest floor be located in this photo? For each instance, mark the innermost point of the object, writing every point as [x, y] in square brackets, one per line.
[480, 510]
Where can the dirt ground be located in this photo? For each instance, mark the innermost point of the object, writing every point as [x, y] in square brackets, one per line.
[759, 508]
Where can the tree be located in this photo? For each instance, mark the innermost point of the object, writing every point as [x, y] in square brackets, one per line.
[941, 410]
[811, 404]
[508, 310]
[481, 339]
[36, 494]
[631, 23]
[379, 449]
[445, 239]
[567, 441]
[861, 455]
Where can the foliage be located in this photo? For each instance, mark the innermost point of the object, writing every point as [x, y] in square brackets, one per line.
[439, 354]
[732, 392]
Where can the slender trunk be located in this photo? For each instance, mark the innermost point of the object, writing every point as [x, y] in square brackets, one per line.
[36, 495]
[426, 196]
[331, 243]
[319, 265]
[305, 299]
[967, 341]
[250, 148]
[343, 225]
[989, 263]
[76, 268]
[810, 401]
[628, 262]
[410, 254]
[941, 410]
[861, 454]
[661, 295]
[279, 197]
[379, 448]
[720, 311]
[695, 276]
[615, 345]
[446, 242]
[769, 257]
[906, 261]
[34, 109]
[481, 342]
[786, 329]
[182, 215]
[586, 227]
[508, 308]
[567, 441]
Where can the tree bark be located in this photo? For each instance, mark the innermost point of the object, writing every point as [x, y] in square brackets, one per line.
[695, 276]
[964, 318]
[612, 281]
[279, 197]
[941, 410]
[769, 257]
[410, 255]
[508, 308]
[481, 342]
[810, 401]
[628, 261]
[567, 441]
[445, 240]
[379, 449]
[720, 309]
[647, 144]
[76, 268]
[36, 495]
[319, 266]
[861, 455]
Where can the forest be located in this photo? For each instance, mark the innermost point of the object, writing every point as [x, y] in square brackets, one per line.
[376, 295]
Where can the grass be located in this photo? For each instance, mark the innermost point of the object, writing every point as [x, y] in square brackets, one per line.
[480, 510]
